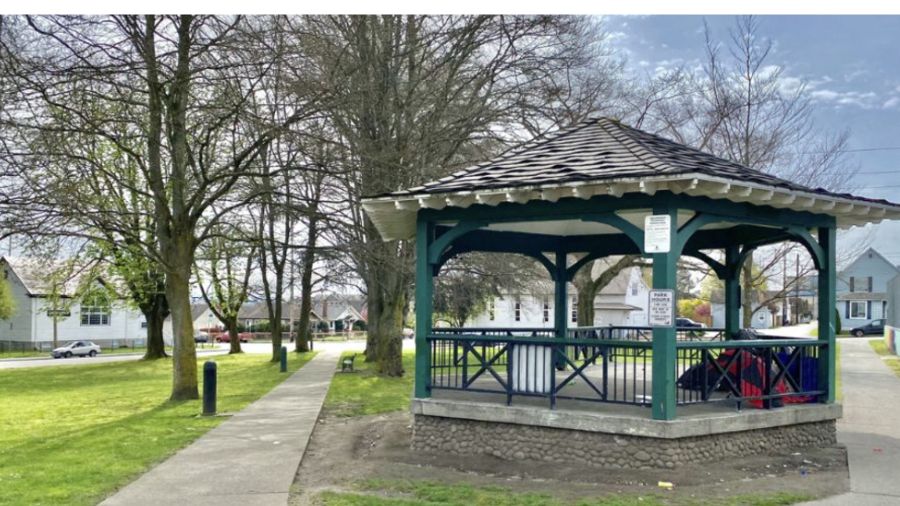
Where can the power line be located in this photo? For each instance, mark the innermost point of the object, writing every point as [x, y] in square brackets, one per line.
[852, 150]
[874, 172]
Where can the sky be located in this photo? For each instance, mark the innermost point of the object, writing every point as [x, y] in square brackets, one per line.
[851, 65]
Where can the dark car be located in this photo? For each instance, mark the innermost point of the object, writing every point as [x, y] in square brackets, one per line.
[687, 323]
[873, 327]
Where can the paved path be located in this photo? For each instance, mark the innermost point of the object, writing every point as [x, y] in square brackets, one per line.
[801, 330]
[870, 428]
[251, 458]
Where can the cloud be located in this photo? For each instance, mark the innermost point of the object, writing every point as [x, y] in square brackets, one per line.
[891, 103]
[856, 74]
[861, 99]
[791, 85]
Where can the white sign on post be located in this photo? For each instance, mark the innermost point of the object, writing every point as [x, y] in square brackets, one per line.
[657, 233]
[661, 308]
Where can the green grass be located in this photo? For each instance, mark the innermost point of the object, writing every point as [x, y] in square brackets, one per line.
[891, 360]
[409, 492]
[365, 393]
[72, 435]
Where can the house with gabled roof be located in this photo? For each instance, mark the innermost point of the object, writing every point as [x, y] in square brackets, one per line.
[623, 301]
[78, 308]
[340, 312]
[862, 288]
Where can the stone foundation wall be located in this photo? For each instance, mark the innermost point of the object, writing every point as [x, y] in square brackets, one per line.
[520, 442]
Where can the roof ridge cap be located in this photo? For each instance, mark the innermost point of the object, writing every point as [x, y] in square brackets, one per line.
[642, 147]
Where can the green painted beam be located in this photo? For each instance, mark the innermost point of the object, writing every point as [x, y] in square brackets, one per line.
[609, 244]
[826, 279]
[573, 208]
[732, 291]
[560, 301]
[442, 242]
[636, 234]
[665, 267]
[717, 267]
[424, 306]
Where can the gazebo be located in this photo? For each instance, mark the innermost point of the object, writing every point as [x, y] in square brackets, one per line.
[597, 189]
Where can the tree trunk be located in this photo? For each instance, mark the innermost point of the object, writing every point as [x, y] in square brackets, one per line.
[178, 294]
[585, 303]
[155, 313]
[234, 339]
[747, 292]
[303, 334]
[275, 323]
[389, 338]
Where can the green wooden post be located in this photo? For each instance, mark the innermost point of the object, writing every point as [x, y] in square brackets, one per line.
[665, 266]
[732, 292]
[424, 306]
[560, 301]
[826, 312]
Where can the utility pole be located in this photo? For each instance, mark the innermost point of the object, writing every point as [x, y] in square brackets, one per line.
[797, 292]
[784, 297]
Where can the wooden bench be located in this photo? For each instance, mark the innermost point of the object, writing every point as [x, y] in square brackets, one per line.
[347, 363]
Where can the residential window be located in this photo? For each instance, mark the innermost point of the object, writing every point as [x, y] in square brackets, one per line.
[546, 310]
[95, 309]
[491, 308]
[860, 283]
[634, 289]
[518, 311]
[858, 309]
[574, 309]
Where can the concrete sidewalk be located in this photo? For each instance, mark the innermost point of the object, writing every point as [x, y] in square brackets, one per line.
[251, 458]
[870, 428]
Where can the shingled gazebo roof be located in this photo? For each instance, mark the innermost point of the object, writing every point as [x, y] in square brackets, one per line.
[605, 157]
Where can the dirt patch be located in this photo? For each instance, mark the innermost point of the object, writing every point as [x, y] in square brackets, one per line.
[346, 451]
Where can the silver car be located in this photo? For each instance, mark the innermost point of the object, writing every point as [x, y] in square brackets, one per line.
[76, 349]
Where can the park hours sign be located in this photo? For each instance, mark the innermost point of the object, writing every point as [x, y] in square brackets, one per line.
[657, 233]
[661, 310]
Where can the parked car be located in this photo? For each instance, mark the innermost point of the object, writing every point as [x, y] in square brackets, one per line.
[76, 349]
[873, 327]
[201, 337]
[688, 323]
[243, 337]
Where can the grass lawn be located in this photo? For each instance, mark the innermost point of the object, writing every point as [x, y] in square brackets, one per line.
[73, 435]
[891, 360]
[365, 393]
[408, 492]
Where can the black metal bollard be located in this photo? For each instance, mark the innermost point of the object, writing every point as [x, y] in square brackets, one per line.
[209, 388]
[284, 359]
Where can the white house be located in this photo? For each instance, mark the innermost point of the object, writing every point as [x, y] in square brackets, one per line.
[93, 317]
[623, 301]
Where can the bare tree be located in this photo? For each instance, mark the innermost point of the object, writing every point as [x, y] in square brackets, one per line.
[413, 98]
[171, 89]
[740, 108]
[587, 286]
[226, 260]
